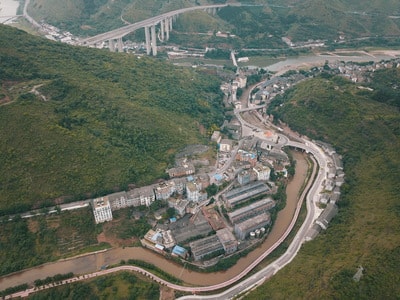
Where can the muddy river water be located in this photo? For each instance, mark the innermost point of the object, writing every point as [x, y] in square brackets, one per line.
[93, 262]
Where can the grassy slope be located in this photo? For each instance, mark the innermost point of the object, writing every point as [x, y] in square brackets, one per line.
[111, 119]
[365, 232]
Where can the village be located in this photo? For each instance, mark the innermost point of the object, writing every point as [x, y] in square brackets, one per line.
[212, 208]
[219, 209]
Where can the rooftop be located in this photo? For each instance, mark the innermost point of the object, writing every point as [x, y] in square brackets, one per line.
[252, 206]
[100, 202]
[254, 222]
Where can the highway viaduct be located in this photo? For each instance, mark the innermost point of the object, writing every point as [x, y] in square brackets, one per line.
[114, 37]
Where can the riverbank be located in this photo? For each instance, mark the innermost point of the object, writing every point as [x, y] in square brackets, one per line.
[318, 59]
[93, 262]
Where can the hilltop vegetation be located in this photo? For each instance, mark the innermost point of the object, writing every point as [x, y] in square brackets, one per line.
[364, 127]
[78, 122]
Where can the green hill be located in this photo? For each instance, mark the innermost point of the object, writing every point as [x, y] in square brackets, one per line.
[364, 127]
[260, 25]
[76, 122]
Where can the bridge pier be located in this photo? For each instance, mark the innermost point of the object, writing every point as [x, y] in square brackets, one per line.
[166, 26]
[162, 30]
[120, 45]
[147, 36]
[166, 19]
[111, 45]
[153, 40]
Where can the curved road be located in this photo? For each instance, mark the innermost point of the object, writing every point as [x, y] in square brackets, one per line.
[28, 17]
[265, 273]
[312, 188]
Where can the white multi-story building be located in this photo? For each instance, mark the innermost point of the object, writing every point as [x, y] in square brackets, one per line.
[263, 172]
[165, 190]
[101, 210]
[192, 192]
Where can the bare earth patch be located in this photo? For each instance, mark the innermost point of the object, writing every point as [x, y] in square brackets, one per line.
[166, 293]
[108, 236]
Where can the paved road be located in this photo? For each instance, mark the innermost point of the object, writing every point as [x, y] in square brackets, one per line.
[28, 17]
[271, 269]
[313, 187]
[252, 281]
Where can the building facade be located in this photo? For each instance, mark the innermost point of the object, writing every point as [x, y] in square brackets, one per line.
[141, 196]
[101, 210]
[263, 172]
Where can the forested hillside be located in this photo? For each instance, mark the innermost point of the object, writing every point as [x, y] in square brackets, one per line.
[261, 24]
[364, 127]
[78, 122]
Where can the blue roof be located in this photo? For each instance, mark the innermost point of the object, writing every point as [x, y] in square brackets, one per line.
[156, 236]
[190, 178]
[218, 177]
[179, 250]
[172, 220]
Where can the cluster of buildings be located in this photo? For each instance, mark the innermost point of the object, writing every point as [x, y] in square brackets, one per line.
[230, 88]
[356, 72]
[335, 175]
[331, 194]
[193, 187]
[55, 34]
[270, 88]
[204, 234]
[303, 44]
[359, 73]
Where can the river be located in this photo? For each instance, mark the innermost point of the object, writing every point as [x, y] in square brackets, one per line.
[308, 61]
[8, 8]
[93, 262]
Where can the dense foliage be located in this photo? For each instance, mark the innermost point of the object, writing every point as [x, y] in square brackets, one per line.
[124, 285]
[53, 279]
[80, 122]
[364, 128]
[14, 289]
[29, 242]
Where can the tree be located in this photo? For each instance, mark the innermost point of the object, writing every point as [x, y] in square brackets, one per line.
[212, 190]
[170, 212]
